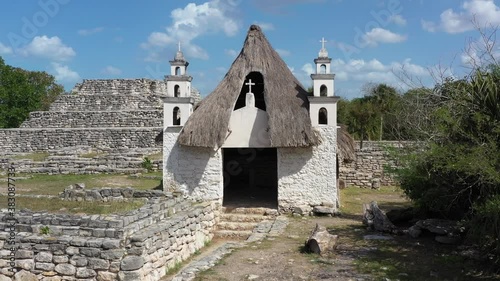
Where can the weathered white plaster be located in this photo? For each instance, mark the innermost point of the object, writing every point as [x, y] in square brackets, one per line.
[196, 170]
[248, 126]
[331, 107]
[307, 176]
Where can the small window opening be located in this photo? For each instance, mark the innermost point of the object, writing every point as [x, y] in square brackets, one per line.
[323, 116]
[322, 69]
[323, 90]
[177, 91]
[178, 71]
[257, 88]
[176, 116]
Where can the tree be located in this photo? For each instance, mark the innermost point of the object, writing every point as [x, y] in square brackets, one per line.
[23, 91]
[384, 98]
[361, 124]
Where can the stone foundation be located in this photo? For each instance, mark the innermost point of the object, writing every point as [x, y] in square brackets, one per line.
[140, 245]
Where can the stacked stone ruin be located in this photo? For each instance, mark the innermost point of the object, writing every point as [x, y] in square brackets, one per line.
[115, 121]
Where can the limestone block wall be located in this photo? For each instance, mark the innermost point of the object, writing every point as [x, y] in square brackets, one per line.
[119, 86]
[103, 102]
[197, 171]
[44, 139]
[88, 119]
[140, 245]
[370, 164]
[306, 176]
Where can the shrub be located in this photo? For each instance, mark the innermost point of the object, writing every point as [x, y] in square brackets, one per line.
[147, 164]
[45, 230]
[484, 226]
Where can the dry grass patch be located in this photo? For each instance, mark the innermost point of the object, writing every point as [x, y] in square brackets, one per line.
[56, 205]
[92, 154]
[156, 156]
[36, 156]
[41, 184]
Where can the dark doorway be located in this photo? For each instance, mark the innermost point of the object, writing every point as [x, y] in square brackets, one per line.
[250, 177]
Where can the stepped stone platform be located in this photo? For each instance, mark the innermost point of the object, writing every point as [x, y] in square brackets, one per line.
[240, 223]
[119, 120]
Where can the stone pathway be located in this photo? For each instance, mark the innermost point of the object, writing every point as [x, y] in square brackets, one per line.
[271, 228]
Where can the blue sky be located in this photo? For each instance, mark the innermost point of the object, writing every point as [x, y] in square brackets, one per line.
[368, 40]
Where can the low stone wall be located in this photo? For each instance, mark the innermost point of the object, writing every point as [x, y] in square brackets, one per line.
[140, 245]
[88, 119]
[84, 160]
[31, 140]
[370, 165]
[79, 193]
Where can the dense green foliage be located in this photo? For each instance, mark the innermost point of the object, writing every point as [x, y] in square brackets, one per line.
[23, 91]
[370, 117]
[454, 172]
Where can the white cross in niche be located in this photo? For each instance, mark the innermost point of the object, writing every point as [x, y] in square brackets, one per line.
[249, 84]
[323, 41]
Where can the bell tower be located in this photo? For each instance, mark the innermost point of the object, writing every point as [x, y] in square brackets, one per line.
[323, 103]
[178, 105]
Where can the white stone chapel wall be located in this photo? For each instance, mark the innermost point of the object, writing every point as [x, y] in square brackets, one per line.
[307, 176]
[196, 170]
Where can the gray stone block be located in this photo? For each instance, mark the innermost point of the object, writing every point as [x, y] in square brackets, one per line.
[130, 263]
[65, 269]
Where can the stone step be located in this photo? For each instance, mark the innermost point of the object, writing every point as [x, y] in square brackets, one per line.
[230, 217]
[241, 234]
[251, 210]
[224, 225]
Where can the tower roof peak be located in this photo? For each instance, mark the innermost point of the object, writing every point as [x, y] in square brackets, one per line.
[179, 56]
[323, 53]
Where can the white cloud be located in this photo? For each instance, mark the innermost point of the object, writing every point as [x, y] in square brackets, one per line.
[265, 25]
[366, 70]
[379, 35]
[64, 74]
[5, 50]
[283, 53]
[230, 52]
[111, 70]
[484, 12]
[51, 48]
[308, 68]
[191, 22]
[87, 32]
[397, 19]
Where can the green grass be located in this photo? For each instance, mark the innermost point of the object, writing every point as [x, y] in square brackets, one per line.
[41, 184]
[387, 197]
[174, 269]
[36, 156]
[55, 205]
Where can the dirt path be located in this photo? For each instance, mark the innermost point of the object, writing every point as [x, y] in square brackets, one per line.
[282, 257]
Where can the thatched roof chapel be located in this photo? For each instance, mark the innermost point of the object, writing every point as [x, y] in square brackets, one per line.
[285, 100]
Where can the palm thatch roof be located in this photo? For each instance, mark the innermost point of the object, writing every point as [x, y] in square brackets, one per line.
[346, 147]
[286, 100]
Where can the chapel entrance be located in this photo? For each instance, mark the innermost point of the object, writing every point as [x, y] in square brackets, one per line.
[250, 177]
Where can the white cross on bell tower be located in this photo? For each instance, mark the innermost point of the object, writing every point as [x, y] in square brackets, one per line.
[323, 41]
